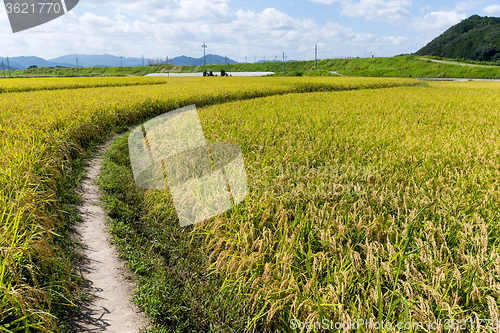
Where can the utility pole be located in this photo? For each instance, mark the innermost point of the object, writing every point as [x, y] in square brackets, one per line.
[225, 60]
[143, 61]
[8, 65]
[77, 69]
[283, 63]
[3, 67]
[315, 56]
[121, 62]
[204, 46]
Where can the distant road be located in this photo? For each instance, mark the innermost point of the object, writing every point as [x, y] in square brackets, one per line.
[457, 63]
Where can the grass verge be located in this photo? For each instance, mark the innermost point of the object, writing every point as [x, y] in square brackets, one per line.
[172, 283]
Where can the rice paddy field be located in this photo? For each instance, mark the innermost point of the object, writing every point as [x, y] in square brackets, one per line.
[369, 199]
[20, 85]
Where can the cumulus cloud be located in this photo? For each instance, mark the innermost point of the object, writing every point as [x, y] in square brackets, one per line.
[175, 27]
[437, 22]
[378, 10]
[465, 6]
[492, 9]
[176, 10]
[327, 2]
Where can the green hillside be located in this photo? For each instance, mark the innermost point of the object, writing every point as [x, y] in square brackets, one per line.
[476, 38]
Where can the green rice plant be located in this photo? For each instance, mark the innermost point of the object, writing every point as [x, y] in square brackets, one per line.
[33, 84]
[339, 224]
[44, 126]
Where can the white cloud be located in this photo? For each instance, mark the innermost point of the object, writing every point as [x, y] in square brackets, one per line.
[465, 6]
[157, 28]
[327, 2]
[437, 22]
[248, 34]
[375, 10]
[425, 8]
[171, 10]
[492, 9]
[378, 10]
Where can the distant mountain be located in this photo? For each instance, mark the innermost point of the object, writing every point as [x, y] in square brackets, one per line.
[476, 38]
[106, 60]
[211, 59]
[13, 65]
[25, 62]
[114, 61]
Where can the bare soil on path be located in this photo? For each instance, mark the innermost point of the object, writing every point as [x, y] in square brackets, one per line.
[106, 277]
[457, 63]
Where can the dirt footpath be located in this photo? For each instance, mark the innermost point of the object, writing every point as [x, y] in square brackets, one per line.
[457, 63]
[105, 275]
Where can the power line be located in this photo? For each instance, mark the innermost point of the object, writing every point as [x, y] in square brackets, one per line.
[315, 56]
[283, 63]
[204, 59]
[8, 65]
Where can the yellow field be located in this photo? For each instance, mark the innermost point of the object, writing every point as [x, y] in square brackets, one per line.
[19, 85]
[331, 228]
[42, 131]
[378, 205]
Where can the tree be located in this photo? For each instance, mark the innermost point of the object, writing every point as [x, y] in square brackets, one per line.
[33, 67]
[487, 52]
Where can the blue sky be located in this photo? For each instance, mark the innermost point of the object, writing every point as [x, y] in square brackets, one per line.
[242, 28]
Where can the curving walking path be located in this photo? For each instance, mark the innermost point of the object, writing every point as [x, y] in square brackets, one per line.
[105, 276]
[457, 63]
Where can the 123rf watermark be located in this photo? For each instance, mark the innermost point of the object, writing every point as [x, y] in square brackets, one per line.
[27, 14]
[447, 324]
